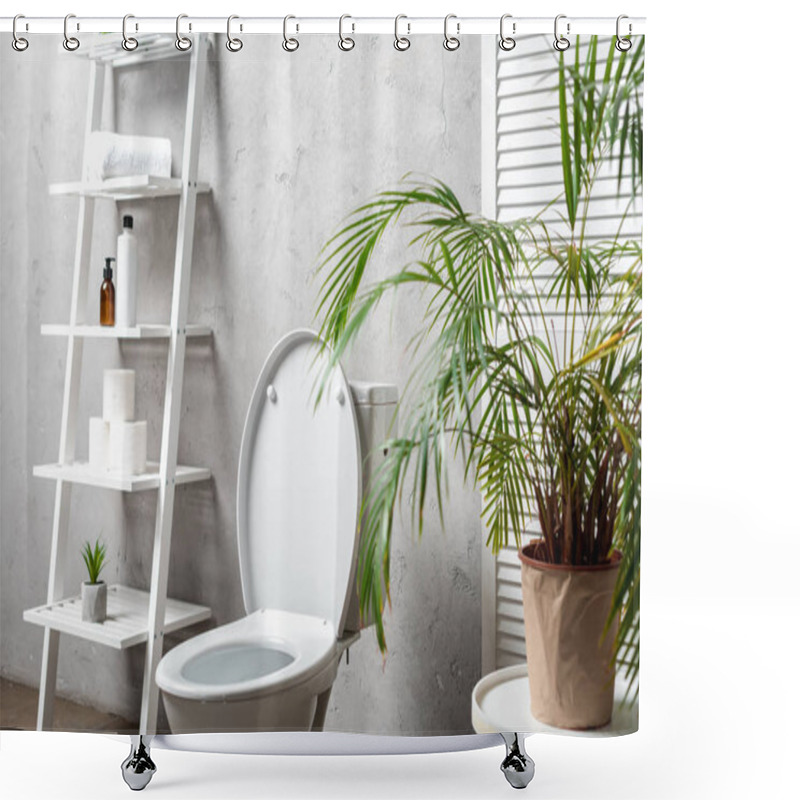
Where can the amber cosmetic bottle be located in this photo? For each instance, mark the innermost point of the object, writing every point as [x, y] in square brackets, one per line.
[107, 296]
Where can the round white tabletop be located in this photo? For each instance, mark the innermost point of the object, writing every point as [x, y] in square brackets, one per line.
[501, 704]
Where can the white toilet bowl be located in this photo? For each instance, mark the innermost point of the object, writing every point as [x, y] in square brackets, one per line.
[263, 672]
[298, 498]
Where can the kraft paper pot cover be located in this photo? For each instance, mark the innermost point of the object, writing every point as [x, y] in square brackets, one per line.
[570, 661]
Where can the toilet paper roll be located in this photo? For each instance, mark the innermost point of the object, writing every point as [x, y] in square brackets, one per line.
[127, 447]
[118, 395]
[98, 444]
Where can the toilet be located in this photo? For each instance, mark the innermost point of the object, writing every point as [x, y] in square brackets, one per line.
[302, 474]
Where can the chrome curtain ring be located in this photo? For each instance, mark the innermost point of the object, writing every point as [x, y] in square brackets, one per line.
[289, 44]
[560, 42]
[129, 43]
[451, 42]
[18, 42]
[182, 42]
[346, 43]
[624, 43]
[233, 44]
[507, 42]
[71, 43]
[401, 43]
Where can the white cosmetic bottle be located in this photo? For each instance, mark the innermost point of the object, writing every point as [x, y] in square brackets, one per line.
[127, 273]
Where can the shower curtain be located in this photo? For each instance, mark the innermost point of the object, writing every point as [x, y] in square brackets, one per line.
[512, 329]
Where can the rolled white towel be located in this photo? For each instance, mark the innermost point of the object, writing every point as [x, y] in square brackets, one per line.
[113, 155]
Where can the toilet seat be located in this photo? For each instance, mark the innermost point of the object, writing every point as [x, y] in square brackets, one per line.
[263, 642]
[298, 490]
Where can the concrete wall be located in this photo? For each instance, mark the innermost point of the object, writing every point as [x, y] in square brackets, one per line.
[290, 144]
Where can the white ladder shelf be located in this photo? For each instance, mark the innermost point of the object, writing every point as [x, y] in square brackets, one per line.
[134, 616]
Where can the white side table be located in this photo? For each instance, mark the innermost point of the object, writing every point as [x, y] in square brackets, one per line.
[501, 704]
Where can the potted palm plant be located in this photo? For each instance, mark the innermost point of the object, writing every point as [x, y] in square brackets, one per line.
[528, 363]
[94, 592]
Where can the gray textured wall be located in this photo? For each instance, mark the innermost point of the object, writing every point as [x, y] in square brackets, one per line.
[290, 144]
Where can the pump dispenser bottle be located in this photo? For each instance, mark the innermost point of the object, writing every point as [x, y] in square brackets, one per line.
[127, 271]
[107, 302]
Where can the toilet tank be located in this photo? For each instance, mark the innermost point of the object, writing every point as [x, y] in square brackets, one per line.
[375, 405]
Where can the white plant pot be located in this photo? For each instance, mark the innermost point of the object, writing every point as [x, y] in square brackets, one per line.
[94, 598]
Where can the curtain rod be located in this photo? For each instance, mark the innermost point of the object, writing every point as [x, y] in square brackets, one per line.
[460, 26]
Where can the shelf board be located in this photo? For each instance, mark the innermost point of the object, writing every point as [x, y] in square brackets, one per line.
[126, 623]
[112, 332]
[129, 187]
[81, 472]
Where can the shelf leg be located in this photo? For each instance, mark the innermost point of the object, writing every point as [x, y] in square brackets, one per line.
[138, 768]
[318, 722]
[517, 766]
[173, 389]
[47, 682]
[69, 411]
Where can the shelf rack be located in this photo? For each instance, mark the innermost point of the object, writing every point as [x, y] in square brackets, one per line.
[134, 187]
[81, 472]
[134, 616]
[112, 332]
[126, 620]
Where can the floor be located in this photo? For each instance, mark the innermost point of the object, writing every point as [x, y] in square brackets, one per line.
[18, 705]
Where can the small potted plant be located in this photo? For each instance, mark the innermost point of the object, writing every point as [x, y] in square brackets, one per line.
[94, 592]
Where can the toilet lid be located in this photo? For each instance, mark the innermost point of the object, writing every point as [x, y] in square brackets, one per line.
[299, 486]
